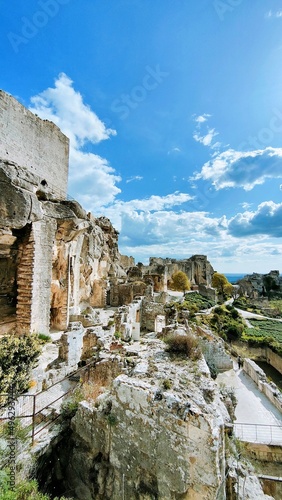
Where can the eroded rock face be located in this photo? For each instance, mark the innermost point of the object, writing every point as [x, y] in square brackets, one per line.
[56, 258]
[156, 433]
[259, 285]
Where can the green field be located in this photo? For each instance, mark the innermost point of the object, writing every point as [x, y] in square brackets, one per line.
[264, 332]
[198, 300]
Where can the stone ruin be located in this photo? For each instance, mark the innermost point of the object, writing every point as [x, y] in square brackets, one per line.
[160, 430]
[56, 260]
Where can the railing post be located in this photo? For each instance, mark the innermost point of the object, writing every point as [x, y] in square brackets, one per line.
[33, 420]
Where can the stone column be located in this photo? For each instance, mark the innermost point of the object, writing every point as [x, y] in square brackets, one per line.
[44, 235]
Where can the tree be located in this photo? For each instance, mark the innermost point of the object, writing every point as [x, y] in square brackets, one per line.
[230, 290]
[269, 284]
[219, 281]
[180, 282]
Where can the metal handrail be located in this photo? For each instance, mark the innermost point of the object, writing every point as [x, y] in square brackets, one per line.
[35, 396]
[259, 433]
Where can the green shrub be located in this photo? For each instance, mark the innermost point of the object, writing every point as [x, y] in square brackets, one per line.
[167, 384]
[219, 310]
[44, 338]
[213, 369]
[227, 322]
[185, 345]
[26, 490]
[233, 331]
[112, 420]
[234, 313]
[15, 429]
[70, 406]
[18, 355]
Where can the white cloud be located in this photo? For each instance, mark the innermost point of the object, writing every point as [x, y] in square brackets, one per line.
[245, 205]
[63, 105]
[206, 139]
[168, 234]
[174, 150]
[93, 180]
[134, 178]
[202, 118]
[119, 209]
[271, 14]
[242, 169]
[266, 220]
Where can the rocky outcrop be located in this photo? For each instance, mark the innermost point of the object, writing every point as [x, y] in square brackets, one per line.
[158, 432]
[260, 285]
[55, 258]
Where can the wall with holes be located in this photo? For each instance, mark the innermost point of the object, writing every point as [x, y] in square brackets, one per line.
[36, 144]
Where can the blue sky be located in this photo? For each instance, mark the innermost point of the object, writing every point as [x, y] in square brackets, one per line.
[174, 112]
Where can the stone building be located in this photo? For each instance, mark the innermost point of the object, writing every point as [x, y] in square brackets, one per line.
[37, 145]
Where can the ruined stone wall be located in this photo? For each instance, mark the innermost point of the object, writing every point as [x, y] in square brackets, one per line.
[197, 268]
[36, 144]
[150, 311]
[127, 320]
[59, 259]
[268, 388]
[208, 292]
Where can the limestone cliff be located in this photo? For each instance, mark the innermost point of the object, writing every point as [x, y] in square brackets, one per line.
[156, 432]
[55, 258]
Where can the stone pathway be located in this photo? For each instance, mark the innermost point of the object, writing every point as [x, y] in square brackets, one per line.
[254, 410]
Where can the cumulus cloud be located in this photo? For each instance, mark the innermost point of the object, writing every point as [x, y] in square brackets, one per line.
[153, 227]
[242, 169]
[63, 105]
[119, 209]
[267, 220]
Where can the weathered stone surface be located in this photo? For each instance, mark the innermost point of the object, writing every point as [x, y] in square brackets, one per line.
[17, 205]
[64, 256]
[256, 285]
[145, 441]
[36, 144]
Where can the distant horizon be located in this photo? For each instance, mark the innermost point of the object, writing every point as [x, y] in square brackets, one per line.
[235, 273]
